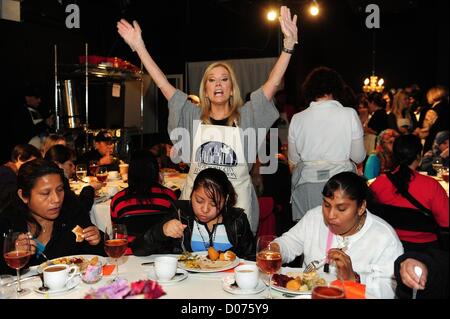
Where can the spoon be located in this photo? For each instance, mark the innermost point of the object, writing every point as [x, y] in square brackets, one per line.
[43, 288]
[418, 272]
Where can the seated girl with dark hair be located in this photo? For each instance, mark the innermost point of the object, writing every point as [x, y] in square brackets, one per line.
[144, 193]
[207, 219]
[41, 209]
[359, 246]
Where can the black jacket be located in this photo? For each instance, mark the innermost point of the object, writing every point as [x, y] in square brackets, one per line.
[235, 221]
[62, 242]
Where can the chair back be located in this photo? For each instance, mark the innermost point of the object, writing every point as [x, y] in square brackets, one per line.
[267, 220]
[138, 224]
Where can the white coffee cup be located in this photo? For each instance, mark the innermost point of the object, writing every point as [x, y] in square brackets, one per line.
[57, 276]
[246, 276]
[165, 267]
[113, 174]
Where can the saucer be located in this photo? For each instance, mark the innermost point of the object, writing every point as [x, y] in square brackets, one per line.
[227, 285]
[182, 275]
[74, 282]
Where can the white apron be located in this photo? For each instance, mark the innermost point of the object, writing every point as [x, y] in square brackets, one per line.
[221, 147]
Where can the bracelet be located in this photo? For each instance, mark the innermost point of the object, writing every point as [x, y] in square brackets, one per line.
[290, 51]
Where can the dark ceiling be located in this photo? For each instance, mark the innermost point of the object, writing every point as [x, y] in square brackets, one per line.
[411, 46]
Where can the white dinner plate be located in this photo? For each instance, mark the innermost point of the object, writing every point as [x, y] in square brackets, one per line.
[203, 254]
[174, 280]
[74, 282]
[227, 285]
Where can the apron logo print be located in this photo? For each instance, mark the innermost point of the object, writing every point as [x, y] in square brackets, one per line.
[216, 153]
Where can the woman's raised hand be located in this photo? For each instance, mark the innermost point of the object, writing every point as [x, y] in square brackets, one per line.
[130, 33]
[288, 27]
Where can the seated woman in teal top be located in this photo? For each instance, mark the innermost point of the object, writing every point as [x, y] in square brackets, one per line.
[381, 161]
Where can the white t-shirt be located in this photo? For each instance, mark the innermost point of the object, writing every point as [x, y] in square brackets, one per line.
[323, 132]
[372, 250]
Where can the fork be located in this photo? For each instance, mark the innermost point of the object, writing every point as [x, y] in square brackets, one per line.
[182, 236]
[314, 265]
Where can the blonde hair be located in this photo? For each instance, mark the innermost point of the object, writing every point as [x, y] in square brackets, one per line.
[399, 104]
[436, 94]
[235, 101]
[52, 139]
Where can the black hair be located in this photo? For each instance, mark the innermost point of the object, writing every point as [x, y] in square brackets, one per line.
[59, 154]
[217, 187]
[143, 173]
[354, 187]
[377, 98]
[322, 81]
[27, 177]
[24, 152]
[406, 149]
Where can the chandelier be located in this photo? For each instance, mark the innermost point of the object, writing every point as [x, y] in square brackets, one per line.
[373, 84]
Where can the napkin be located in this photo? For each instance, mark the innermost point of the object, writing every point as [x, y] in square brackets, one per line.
[108, 269]
[352, 289]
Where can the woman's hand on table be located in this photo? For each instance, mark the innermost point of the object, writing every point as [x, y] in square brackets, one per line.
[174, 228]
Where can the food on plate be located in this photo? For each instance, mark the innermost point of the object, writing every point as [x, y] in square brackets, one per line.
[78, 231]
[79, 261]
[294, 284]
[298, 281]
[203, 262]
[227, 256]
[213, 254]
[93, 261]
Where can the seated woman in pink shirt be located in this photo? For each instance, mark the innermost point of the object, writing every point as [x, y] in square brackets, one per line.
[426, 190]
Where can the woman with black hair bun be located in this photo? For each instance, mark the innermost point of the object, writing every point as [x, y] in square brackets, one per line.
[357, 245]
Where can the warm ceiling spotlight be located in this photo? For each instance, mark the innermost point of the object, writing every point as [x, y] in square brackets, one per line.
[314, 8]
[272, 15]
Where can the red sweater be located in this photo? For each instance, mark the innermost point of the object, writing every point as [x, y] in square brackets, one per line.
[423, 188]
[159, 200]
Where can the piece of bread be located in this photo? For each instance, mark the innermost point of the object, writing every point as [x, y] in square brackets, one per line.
[213, 254]
[78, 231]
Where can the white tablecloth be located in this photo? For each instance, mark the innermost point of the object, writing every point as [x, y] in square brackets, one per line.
[195, 286]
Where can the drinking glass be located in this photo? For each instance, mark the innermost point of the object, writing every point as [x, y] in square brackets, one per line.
[327, 292]
[268, 258]
[116, 240]
[93, 167]
[16, 251]
[81, 171]
[102, 174]
[437, 165]
[444, 174]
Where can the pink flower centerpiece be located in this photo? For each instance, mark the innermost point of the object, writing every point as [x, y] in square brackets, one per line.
[120, 289]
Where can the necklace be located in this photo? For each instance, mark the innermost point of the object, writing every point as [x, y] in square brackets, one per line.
[343, 240]
[211, 236]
